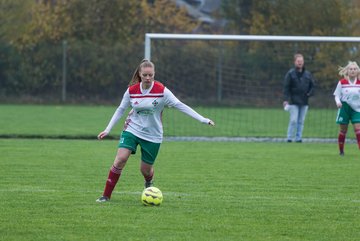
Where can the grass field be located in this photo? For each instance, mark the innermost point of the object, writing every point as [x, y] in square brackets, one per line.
[87, 121]
[212, 191]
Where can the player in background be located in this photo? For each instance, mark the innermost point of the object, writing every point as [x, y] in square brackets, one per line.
[143, 125]
[347, 98]
[298, 87]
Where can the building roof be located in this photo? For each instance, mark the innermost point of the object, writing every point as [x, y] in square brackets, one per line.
[200, 9]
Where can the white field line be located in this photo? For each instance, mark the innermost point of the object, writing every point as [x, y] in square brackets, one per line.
[177, 194]
[250, 139]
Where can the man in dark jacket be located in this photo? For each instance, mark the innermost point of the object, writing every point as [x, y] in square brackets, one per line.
[298, 87]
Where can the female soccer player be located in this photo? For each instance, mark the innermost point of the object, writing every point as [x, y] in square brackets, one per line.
[347, 98]
[143, 125]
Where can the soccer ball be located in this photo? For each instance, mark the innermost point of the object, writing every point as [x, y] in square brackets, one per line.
[151, 196]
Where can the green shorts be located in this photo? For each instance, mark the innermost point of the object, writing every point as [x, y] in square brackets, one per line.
[346, 114]
[149, 150]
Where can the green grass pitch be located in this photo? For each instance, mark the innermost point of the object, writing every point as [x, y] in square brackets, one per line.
[87, 121]
[212, 191]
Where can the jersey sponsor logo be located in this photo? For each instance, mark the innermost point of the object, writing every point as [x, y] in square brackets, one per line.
[355, 97]
[145, 112]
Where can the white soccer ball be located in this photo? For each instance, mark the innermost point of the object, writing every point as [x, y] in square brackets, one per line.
[151, 196]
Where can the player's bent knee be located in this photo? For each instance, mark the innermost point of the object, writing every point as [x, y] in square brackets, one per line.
[120, 162]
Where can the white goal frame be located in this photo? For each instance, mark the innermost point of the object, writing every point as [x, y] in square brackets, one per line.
[150, 36]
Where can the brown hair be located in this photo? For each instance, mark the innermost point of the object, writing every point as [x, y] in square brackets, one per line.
[298, 55]
[136, 78]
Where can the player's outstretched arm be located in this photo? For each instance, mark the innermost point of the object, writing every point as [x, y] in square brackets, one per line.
[172, 101]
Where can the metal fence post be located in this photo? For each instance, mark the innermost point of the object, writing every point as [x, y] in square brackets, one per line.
[63, 92]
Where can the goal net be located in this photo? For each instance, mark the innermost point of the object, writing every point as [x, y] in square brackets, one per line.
[237, 81]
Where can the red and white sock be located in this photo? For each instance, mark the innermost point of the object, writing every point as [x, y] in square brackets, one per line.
[114, 175]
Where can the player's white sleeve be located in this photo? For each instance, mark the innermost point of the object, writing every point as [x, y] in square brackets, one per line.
[125, 102]
[172, 101]
[337, 93]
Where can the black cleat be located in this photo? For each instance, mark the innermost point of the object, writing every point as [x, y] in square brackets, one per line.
[149, 184]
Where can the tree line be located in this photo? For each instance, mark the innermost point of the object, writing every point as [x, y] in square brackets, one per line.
[103, 42]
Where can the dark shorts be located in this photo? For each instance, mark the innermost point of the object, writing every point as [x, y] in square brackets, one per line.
[149, 150]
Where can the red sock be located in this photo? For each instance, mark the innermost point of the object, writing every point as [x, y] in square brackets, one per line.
[341, 141]
[114, 175]
[357, 132]
[149, 177]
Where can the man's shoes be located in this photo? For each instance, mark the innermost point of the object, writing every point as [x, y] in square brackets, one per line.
[299, 141]
[342, 153]
[102, 199]
[149, 184]
[289, 140]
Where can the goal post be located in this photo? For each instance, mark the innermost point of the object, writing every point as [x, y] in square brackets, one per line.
[150, 36]
[237, 80]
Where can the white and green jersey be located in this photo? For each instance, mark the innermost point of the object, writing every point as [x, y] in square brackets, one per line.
[349, 92]
[145, 118]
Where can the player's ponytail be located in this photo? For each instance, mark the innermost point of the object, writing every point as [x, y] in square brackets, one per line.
[136, 78]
